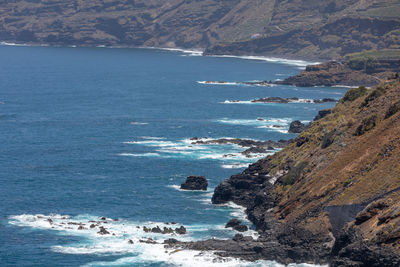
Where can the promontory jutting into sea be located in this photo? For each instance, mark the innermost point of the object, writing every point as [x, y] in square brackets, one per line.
[200, 133]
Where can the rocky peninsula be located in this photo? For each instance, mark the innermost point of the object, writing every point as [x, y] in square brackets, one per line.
[332, 195]
[365, 68]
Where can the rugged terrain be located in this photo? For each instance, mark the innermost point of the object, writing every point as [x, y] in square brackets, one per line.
[332, 195]
[366, 68]
[299, 29]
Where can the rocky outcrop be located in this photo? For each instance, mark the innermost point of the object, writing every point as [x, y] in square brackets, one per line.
[336, 203]
[237, 225]
[195, 183]
[348, 73]
[297, 127]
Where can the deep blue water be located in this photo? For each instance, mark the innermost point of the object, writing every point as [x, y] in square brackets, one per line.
[98, 132]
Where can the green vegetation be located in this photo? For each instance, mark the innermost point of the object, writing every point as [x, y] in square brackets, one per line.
[393, 109]
[366, 125]
[294, 173]
[374, 54]
[353, 94]
[379, 91]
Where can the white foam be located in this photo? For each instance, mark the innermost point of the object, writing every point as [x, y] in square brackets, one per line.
[152, 138]
[274, 124]
[121, 231]
[139, 155]
[12, 44]
[237, 102]
[184, 258]
[300, 100]
[343, 86]
[235, 166]
[190, 52]
[222, 83]
[228, 154]
[178, 188]
[138, 123]
[299, 63]
[19, 44]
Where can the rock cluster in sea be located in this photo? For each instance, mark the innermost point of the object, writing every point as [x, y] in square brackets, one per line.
[195, 183]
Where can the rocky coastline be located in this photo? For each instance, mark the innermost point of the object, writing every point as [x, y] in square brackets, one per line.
[367, 72]
[309, 205]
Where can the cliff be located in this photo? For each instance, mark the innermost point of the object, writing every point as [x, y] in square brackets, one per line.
[366, 68]
[332, 195]
[299, 29]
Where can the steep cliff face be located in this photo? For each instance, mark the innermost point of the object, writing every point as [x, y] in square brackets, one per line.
[333, 194]
[301, 29]
[330, 40]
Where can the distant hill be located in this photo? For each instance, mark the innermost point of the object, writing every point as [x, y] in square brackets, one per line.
[298, 29]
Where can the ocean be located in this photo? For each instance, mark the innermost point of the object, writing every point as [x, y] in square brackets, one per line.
[87, 133]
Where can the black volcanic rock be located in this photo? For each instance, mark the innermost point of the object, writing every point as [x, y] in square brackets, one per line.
[240, 228]
[181, 230]
[322, 113]
[297, 127]
[103, 231]
[232, 223]
[195, 183]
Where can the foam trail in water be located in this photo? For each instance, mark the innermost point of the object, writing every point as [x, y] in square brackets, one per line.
[298, 63]
[124, 239]
[139, 155]
[253, 102]
[229, 154]
[279, 125]
[138, 123]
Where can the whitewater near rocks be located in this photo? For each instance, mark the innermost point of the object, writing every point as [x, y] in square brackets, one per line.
[87, 140]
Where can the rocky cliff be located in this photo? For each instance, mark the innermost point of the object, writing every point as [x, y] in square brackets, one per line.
[332, 195]
[299, 29]
[367, 72]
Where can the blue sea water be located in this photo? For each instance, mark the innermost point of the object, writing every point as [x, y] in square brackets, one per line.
[92, 132]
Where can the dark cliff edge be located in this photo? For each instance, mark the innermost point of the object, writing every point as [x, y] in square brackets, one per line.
[331, 196]
[366, 68]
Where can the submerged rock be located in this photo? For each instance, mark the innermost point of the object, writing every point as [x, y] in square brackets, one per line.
[195, 183]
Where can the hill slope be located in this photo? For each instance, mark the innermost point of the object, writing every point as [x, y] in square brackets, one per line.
[333, 194]
[301, 28]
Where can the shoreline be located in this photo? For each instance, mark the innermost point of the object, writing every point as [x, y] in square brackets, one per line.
[301, 63]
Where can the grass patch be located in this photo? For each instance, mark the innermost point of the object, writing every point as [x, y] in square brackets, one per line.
[294, 173]
[374, 54]
[353, 94]
[378, 92]
[393, 109]
[366, 125]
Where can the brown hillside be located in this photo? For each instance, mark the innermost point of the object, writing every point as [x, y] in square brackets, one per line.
[332, 195]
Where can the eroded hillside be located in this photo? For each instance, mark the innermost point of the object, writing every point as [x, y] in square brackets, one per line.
[333, 194]
[300, 29]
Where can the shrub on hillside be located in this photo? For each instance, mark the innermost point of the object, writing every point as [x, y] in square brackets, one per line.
[353, 94]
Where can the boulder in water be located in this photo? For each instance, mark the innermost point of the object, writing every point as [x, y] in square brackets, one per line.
[195, 183]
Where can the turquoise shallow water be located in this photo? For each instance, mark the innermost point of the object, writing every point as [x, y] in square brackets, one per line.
[87, 133]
